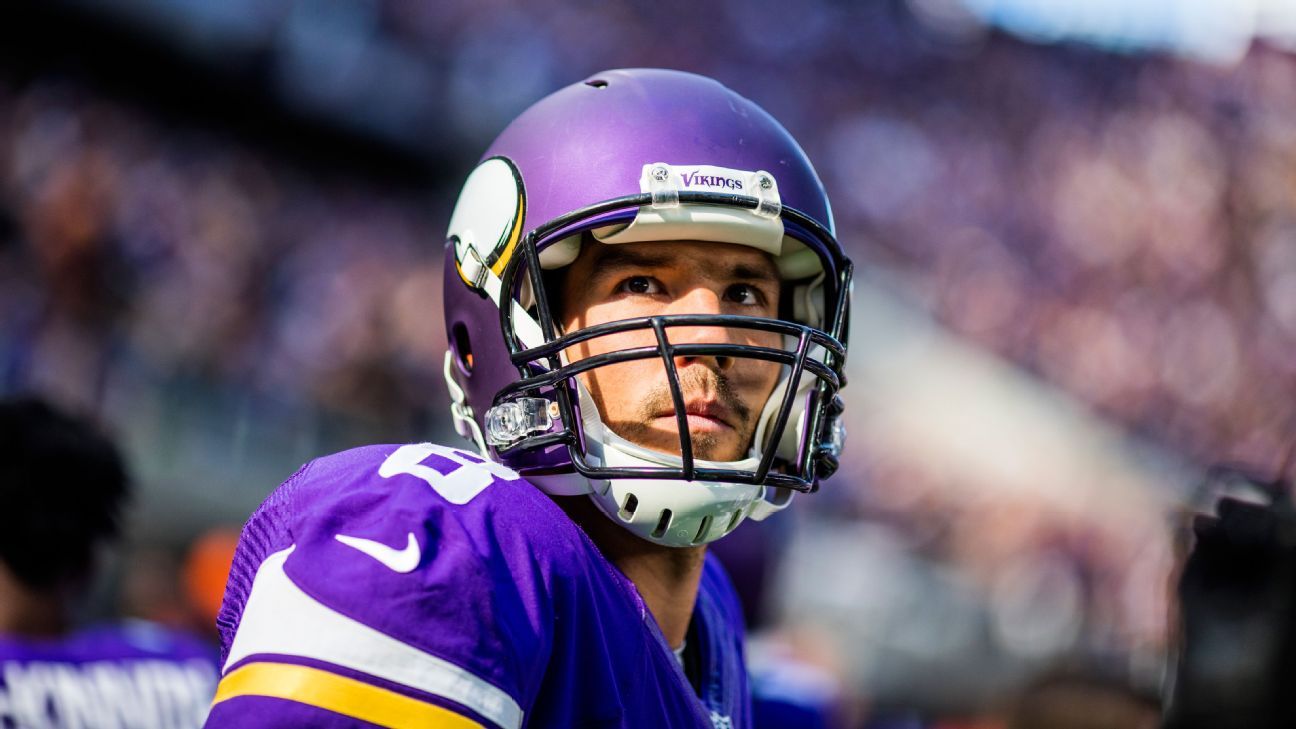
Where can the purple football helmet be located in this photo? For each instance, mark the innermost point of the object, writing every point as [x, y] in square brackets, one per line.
[632, 156]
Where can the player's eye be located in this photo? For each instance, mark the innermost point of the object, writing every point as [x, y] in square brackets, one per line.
[642, 285]
[744, 294]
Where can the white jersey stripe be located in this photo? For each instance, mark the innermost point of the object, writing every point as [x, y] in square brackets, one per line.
[280, 618]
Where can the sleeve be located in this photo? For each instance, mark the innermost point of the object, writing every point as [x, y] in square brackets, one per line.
[383, 603]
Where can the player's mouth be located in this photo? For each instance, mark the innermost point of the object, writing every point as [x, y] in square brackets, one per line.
[704, 416]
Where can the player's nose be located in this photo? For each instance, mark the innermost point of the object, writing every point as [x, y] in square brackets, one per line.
[701, 300]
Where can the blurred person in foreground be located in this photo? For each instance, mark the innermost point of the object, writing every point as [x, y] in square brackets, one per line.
[63, 486]
[1235, 666]
[646, 306]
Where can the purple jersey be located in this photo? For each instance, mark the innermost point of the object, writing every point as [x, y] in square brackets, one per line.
[421, 586]
[136, 675]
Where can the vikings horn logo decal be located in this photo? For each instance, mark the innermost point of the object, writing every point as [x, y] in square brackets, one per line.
[488, 217]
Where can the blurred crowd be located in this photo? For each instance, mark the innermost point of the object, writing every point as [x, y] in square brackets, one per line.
[143, 252]
[1121, 226]
[1125, 232]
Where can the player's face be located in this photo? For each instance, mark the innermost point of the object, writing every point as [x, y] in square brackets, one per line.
[723, 396]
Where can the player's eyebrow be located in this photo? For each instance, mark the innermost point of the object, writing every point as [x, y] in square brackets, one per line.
[610, 259]
[759, 272]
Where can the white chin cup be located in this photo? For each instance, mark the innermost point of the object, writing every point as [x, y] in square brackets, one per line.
[670, 512]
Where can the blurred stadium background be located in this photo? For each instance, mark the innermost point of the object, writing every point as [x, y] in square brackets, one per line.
[1074, 222]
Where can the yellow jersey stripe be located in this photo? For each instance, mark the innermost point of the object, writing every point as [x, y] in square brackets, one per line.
[281, 619]
[339, 694]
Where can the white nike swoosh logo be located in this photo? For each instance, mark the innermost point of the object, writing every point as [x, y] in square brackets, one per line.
[397, 560]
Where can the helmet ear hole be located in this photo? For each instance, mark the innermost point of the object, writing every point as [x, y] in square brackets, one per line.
[463, 355]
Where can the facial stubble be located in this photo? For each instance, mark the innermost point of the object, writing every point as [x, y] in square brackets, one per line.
[692, 380]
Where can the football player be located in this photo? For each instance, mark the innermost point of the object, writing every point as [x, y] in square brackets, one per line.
[646, 308]
[62, 485]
